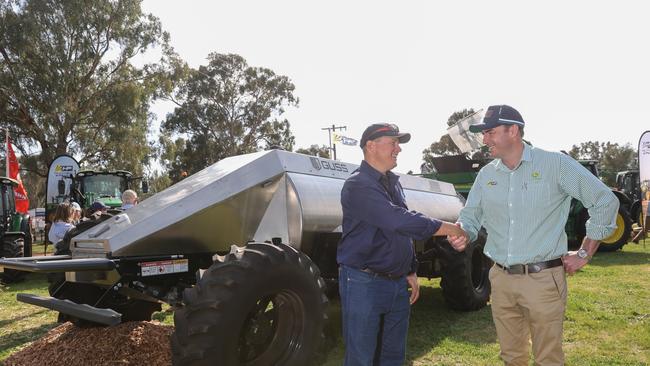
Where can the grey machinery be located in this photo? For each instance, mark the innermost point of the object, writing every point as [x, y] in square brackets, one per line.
[152, 251]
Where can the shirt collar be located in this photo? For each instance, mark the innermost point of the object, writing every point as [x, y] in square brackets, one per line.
[375, 174]
[526, 155]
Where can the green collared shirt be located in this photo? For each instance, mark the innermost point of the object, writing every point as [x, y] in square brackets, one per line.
[524, 210]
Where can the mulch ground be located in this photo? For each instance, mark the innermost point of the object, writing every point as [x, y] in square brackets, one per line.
[131, 343]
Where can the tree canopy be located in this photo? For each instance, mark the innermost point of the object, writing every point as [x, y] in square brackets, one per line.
[225, 108]
[612, 157]
[315, 150]
[69, 81]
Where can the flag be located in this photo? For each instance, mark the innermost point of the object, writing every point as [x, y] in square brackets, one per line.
[348, 141]
[345, 140]
[13, 171]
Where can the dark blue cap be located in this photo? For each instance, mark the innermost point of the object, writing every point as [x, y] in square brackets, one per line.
[497, 115]
[378, 130]
[97, 206]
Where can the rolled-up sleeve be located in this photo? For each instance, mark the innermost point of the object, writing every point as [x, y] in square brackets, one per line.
[595, 196]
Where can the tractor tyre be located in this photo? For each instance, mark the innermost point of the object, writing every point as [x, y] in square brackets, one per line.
[12, 247]
[621, 234]
[26, 229]
[465, 283]
[27, 249]
[261, 305]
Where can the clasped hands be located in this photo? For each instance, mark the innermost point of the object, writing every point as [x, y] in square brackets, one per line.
[457, 237]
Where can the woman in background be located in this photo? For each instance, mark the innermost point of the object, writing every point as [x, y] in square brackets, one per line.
[62, 223]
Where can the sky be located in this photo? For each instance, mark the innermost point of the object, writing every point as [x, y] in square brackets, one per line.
[577, 71]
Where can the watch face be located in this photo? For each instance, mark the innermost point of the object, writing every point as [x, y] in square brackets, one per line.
[582, 253]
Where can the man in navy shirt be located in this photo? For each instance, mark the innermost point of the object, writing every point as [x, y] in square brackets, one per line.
[376, 254]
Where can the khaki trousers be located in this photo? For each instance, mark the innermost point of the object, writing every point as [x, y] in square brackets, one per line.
[529, 305]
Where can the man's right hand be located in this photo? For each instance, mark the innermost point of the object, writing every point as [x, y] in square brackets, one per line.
[458, 239]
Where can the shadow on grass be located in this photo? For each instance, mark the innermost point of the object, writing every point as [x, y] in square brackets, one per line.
[431, 323]
[19, 318]
[621, 257]
[32, 281]
[23, 336]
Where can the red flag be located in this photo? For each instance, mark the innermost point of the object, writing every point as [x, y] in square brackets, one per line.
[22, 202]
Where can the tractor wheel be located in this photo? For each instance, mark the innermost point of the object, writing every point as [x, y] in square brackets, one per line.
[262, 305]
[465, 283]
[621, 234]
[12, 247]
[27, 249]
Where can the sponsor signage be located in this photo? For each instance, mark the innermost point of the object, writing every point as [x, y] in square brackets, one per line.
[320, 164]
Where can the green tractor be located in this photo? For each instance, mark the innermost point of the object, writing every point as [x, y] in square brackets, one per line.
[15, 233]
[628, 183]
[578, 216]
[104, 186]
[66, 183]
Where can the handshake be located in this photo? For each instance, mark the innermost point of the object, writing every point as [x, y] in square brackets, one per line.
[456, 236]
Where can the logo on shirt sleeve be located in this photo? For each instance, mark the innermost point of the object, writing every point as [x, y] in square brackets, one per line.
[492, 183]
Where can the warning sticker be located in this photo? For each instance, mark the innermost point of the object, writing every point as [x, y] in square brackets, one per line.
[163, 267]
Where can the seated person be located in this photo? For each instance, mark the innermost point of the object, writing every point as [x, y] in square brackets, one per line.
[96, 210]
[62, 223]
[129, 199]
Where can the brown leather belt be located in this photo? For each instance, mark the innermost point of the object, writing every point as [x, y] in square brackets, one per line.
[387, 276]
[531, 267]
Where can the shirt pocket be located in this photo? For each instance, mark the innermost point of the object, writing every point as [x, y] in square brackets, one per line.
[536, 192]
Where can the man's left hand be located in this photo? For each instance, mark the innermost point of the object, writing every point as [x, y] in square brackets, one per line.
[412, 280]
[573, 263]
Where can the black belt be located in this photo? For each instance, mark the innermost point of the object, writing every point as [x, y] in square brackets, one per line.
[387, 276]
[531, 267]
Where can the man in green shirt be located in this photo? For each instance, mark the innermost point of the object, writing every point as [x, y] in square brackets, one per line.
[522, 199]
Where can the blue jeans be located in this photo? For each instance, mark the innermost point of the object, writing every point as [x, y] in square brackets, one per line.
[375, 314]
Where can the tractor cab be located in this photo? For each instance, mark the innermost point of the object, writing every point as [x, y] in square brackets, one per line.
[105, 186]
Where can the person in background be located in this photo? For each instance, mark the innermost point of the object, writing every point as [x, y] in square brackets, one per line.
[76, 213]
[129, 199]
[96, 210]
[62, 223]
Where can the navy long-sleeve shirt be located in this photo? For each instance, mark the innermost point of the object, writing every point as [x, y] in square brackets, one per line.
[378, 228]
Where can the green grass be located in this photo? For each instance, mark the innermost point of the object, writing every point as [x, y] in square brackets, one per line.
[607, 320]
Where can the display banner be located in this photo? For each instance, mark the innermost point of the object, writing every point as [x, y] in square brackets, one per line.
[644, 173]
[59, 183]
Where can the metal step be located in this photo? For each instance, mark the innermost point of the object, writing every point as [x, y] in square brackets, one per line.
[81, 311]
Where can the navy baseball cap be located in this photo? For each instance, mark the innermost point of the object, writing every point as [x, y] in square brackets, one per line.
[378, 130]
[97, 206]
[497, 115]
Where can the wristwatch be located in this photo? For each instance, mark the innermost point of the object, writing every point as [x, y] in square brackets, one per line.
[583, 254]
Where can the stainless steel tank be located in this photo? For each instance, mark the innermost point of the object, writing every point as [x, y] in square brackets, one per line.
[253, 197]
